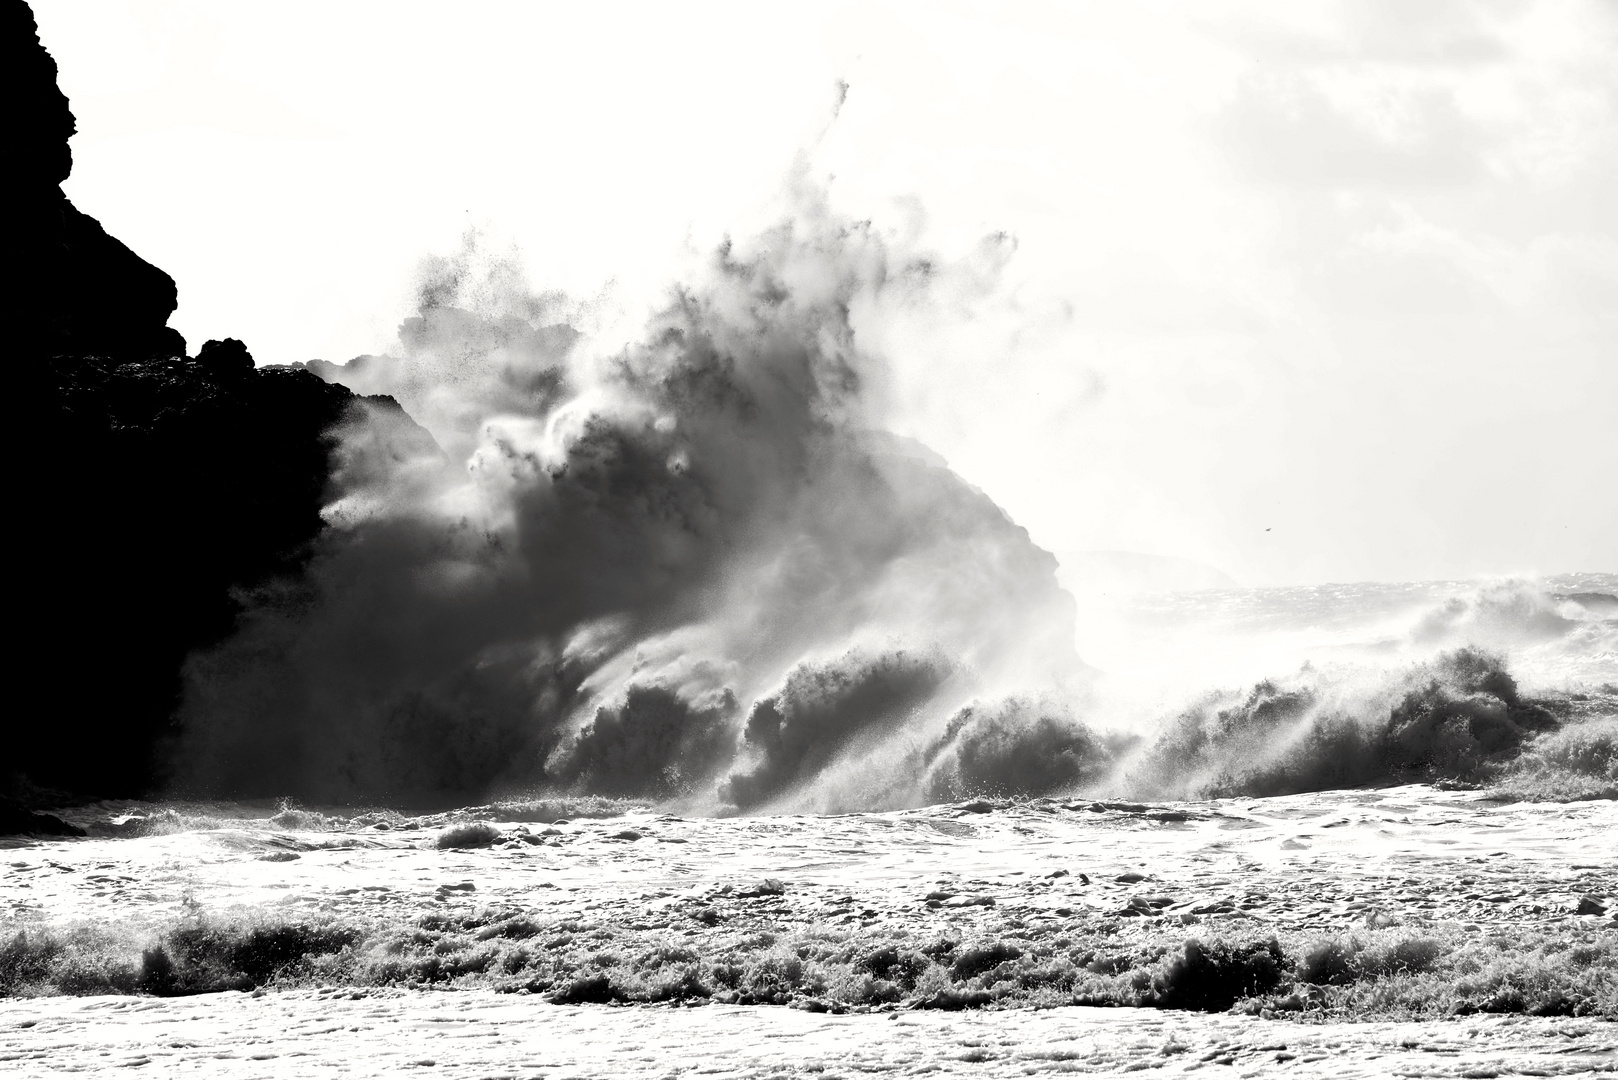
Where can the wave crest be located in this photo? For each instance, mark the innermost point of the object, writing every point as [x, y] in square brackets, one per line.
[1458, 718]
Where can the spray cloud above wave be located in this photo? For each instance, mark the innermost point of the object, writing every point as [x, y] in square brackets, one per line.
[690, 564]
[685, 561]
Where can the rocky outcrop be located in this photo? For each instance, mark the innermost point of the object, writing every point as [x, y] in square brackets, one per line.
[155, 489]
[104, 299]
[79, 289]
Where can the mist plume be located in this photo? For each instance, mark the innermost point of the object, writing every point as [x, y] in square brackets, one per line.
[688, 564]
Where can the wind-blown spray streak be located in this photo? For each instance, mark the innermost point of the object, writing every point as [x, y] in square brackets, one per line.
[691, 565]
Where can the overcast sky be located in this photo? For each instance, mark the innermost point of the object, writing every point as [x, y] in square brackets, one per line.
[1302, 291]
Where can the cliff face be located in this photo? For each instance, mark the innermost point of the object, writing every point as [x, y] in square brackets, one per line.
[156, 486]
[82, 290]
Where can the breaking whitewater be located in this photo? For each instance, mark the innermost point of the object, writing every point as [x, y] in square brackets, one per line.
[643, 667]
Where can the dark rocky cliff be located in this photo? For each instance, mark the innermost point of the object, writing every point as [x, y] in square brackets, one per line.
[82, 291]
[155, 487]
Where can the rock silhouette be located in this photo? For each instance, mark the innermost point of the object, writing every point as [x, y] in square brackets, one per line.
[156, 487]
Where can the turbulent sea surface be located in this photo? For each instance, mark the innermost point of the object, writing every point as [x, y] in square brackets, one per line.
[1399, 835]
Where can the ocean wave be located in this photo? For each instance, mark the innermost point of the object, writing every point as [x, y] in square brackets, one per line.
[1458, 719]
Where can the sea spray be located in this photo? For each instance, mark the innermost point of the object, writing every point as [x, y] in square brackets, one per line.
[693, 564]
[686, 561]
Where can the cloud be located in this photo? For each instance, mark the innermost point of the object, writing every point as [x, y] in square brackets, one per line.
[1440, 34]
[1287, 131]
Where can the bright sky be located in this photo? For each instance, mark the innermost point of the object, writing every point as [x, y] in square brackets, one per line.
[1304, 291]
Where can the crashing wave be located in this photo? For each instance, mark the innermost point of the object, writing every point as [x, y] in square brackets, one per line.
[691, 565]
